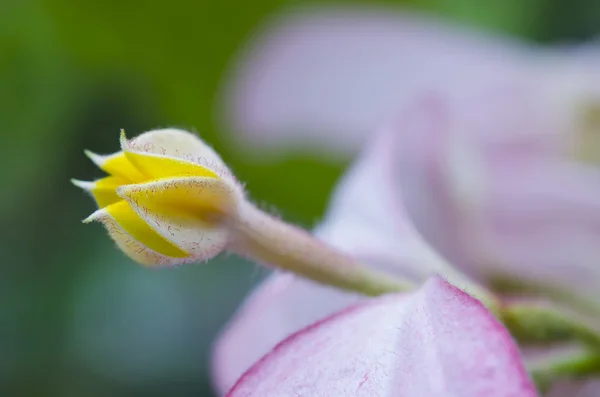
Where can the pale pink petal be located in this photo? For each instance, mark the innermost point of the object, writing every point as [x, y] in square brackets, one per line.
[437, 341]
[488, 184]
[327, 77]
[366, 216]
[277, 308]
[436, 170]
[541, 225]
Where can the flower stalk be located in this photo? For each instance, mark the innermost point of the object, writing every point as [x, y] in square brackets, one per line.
[578, 365]
[261, 236]
[540, 323]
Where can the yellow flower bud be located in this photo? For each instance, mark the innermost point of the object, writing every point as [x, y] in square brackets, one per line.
[167, 198]
[170, 200]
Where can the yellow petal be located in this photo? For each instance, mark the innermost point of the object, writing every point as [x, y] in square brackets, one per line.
[156, 166]
[103, 190]
[186, 211]
[117, 164]
[134, 236]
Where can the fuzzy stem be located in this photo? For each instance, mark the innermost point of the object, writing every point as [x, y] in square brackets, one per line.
[532, 322]
[579, 365]
[267, 239]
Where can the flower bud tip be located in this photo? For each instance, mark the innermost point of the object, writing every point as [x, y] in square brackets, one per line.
[97, 159]
[93, 217]
[123, 139]
[83, 184]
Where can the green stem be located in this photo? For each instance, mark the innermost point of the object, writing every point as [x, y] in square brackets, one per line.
[267, 239]
[520, 288]
[574, 366]
[539, 323]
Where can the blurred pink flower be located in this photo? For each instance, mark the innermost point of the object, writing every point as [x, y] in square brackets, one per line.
[433, 342]
[367, 219]
[490, 151]
[327, 77]
[496, 189]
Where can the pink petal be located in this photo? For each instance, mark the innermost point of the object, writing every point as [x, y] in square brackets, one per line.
[279, 307]
[488, 184]
[433, 174]
[327, 77]
[367, 218]
[436, 341]
[541, 226]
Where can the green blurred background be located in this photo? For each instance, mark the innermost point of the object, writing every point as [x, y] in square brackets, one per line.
[76, 317]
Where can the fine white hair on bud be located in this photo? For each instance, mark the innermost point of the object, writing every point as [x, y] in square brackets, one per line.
[166, 199]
